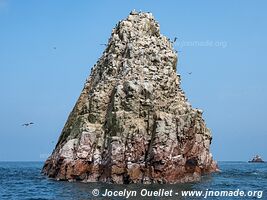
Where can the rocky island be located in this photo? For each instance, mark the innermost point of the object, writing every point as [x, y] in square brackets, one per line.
[256, 159]
[132, 122]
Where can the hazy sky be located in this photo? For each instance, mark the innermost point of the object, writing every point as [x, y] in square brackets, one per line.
[48, 47]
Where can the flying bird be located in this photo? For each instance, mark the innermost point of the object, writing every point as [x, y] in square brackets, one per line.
[54, 48]
[189, 73]
[175, 39]
[28, 124]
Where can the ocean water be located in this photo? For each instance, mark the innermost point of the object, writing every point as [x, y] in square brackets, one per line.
[23, 180]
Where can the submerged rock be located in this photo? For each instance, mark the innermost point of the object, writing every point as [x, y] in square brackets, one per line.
[132, 122]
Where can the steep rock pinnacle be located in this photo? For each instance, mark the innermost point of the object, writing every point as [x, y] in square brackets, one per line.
[132, 122]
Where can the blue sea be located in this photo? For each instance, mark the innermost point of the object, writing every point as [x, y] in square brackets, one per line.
[23, 180]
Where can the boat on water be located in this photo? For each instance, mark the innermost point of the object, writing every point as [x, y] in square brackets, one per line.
[256, 159]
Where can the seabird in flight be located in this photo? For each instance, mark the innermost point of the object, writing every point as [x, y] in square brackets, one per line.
[27, 124]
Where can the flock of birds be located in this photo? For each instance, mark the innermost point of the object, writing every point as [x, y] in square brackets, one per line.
[174, 40]
[31, 123]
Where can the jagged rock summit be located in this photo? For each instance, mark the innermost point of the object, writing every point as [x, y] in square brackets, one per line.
[256, 159]
[132, 122]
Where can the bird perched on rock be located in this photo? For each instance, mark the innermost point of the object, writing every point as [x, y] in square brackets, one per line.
[28, 124]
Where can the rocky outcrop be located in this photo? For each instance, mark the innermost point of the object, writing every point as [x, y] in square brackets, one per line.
[132, 122]
[256, 159]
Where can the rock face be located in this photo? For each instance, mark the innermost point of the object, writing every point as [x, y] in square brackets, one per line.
[256, 159]
[132, 122]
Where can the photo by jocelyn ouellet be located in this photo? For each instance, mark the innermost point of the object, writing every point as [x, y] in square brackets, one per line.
[133, 100]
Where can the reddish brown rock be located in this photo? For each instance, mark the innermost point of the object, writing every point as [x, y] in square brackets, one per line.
[132, 122]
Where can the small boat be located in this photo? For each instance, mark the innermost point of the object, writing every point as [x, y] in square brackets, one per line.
[256, 159]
